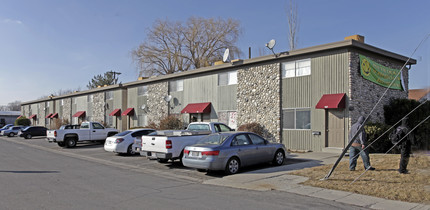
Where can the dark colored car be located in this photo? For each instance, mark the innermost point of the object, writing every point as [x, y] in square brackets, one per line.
[31, 131]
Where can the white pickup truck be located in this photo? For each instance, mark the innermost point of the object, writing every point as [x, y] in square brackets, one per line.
[88, 131]
[169, 145]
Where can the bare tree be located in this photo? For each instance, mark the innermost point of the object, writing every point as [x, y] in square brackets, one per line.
[174, 46]
[293, 24]
[14, 106]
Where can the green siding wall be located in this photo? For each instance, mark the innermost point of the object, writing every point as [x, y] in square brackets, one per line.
[329, 74]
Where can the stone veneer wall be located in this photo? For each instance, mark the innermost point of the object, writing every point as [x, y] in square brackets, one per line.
[157, 107]
[364, 94]
[67, 109]
[258, 98]
[25, 111]
[41, 114]
[98, 107]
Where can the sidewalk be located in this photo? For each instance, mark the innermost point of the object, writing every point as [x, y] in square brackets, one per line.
[278, 178]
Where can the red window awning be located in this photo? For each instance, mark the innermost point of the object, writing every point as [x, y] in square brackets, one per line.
[33, 116]
[55, 115]
[116, 112]
[331, 101]
[128, 111]
[19, 116]
[79, 114]
[197, 108]
[49, 115]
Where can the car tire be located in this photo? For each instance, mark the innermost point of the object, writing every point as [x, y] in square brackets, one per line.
[162, 160]
[70, 142]
[130, 150]
[232, 166]
[279, 158]
[28, 136]
[11, 135]
[61, 144]
[202, 170]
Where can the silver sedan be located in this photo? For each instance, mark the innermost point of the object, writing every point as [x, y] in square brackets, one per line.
[232, 150]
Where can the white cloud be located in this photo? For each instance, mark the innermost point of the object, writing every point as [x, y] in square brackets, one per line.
[7, 20]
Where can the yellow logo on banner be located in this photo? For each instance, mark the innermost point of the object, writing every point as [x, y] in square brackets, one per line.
[365, 67]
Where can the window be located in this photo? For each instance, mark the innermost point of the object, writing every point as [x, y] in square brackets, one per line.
[142, 120]
[256, 139]
[296, 68]
[240, 140]
[142, 90]
[222, 128]
[89, 98]
[62, 102]
[97, 126]
[227, 78]
[109, 95]
[296, 118]
[176, 85]
[109, 121]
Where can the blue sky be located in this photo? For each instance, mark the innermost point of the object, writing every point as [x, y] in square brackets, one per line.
[48, 45]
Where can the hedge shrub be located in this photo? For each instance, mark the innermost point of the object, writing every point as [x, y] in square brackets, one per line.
[252, 127]
[23, 121]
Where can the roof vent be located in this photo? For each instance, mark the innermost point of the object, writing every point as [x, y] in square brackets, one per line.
[355, 37]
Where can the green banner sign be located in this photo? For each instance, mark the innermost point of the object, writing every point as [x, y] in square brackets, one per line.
[379, 74]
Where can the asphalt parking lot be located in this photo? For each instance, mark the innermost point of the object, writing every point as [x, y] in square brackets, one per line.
[94, 152]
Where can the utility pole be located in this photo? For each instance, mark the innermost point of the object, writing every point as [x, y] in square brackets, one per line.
[114, 75]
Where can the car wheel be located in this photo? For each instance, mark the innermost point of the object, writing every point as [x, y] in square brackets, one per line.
[28, 136]
[202, 170]
[70, 142]
[232, 166]
[61, 144]
[11, 135]
[279, 158]
[130, 150]
[162, 160]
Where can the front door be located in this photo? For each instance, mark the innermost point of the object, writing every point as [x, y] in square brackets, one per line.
[335, 128]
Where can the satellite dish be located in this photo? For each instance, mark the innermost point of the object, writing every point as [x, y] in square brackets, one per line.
[167, 98]
[143, 107]
[226, 55]
[271, 44]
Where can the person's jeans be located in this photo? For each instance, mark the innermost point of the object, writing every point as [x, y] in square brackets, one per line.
[353, 151]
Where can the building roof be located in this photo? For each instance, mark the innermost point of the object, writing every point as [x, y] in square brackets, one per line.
[10, 113]
[241, 63]
[417, 94]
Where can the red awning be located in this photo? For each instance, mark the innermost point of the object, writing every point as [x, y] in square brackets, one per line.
[116, 112]
[79, 114]
[49, 115]
[197, 108]
[129, 111]
[19, 116]
[331, 101]
[33, 116]
[55, 115]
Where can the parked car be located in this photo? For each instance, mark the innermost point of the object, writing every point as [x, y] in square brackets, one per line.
[232, 150]
[6, 127]
[31, 131]
[169, 145]
[11, 131]
[88, 131]
[123, 142]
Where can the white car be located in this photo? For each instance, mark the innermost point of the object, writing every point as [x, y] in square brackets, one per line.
[123, 142]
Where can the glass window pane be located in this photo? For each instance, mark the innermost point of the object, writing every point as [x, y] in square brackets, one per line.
[289, 73]
[232, 78]
[222, 79]
[303, 119]
[256, 139]
[180, 85]
[288, 69]
[288, 119]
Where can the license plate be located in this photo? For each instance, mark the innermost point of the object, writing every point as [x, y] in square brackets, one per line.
[195, 154]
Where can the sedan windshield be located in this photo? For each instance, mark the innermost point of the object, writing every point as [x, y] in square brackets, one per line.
[213, 139]
[123, 133]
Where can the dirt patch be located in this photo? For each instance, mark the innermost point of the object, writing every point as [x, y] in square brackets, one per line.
[384, 182]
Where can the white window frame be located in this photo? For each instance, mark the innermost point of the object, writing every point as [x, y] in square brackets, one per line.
[299, 69]
[176, 85]
[142, 90]
[295, 110]
[231, 78]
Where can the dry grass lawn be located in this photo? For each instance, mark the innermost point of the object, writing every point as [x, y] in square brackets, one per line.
[384, 182]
